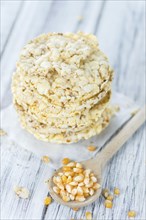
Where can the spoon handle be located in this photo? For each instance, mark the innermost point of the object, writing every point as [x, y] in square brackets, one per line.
[124, 134]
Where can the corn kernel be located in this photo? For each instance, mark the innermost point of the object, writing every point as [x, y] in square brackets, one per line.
[80, 198]
[89, 185]
[108, 204]
[72, 197]
[91, 148]
[65, 161]
[65, 198]
[47, 200]
[64, 179]
[79, 165]
[79, 178]
[85, 189]
[91, 192]
[87, 172]
[69, 188]
[94, 179]
[56, 189]
[63, 193]
[105, 193]
[88, 216]
[73, 183]
[131, 214]
[74, 191]
[45, 159]
[58, 179]
[116, 191]
[67, 169]
[79, 191]
[78, 170]
[60, 186]
[69, 173]
[110, 197]
[86, 181]
[86, 195]
[71, 164]
[60, 174]
[69, 179]
[75, 209]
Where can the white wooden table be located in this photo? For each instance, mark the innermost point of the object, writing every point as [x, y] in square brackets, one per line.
[119, 26]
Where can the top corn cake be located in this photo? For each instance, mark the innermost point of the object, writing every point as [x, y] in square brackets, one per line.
[61, 75]
[66, 70]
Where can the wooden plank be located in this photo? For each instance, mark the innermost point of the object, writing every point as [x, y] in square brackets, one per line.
[10, 12]
[22, 168]
[121, 36]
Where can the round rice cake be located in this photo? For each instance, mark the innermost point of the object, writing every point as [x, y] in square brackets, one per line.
[67, 124]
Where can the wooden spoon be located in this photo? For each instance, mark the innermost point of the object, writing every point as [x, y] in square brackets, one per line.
[98, 163]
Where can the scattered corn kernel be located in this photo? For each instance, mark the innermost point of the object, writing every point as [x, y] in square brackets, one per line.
[131, 214]
[105, 193]
[110, 197]
[116, 191]
[75, 209]
[47, 200]
[45, 159]
[65, 161]
[108, 204]
[91, 148]
[88, 216]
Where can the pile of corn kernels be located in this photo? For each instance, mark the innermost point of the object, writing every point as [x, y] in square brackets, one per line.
[74, 183]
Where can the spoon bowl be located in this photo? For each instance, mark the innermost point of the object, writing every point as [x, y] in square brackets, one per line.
[75, 204]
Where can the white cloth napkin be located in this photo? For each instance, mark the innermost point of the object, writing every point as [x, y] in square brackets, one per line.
[57, 152]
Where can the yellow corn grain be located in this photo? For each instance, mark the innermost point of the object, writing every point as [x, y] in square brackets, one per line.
[88, 216]
[116, 191]
[47, 200]
[131, 214]
[91, 148]
[65, 161]
[108, 204]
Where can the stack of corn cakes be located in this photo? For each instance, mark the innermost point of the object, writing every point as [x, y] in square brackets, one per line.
[62, 87]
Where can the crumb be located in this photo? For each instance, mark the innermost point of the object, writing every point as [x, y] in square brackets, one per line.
[21, 192]
[2, 132]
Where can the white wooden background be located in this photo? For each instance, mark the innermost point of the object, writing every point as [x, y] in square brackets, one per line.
[119, 26]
